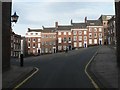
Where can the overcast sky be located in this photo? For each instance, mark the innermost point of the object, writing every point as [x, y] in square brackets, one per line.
[43, 13]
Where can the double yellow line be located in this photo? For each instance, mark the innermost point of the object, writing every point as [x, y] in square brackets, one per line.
[26, 79]
[93, 82]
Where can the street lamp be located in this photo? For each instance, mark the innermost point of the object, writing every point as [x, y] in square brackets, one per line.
[14, 17]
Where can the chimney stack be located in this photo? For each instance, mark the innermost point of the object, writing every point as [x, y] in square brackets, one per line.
[56, 24]
[85, 19]
[71, 21]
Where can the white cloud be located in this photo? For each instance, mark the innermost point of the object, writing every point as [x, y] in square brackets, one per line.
[36, 14]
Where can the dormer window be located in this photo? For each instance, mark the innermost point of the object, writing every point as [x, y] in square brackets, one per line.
[92, 23]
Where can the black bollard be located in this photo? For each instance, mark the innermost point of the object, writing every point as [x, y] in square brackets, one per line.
[21, 60]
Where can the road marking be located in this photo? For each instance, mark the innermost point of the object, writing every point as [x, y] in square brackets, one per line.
[93, 82]
[17, 86]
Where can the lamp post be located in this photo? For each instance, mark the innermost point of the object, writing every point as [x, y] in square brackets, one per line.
[14, 17]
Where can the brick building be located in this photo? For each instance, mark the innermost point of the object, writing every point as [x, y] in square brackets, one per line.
[15, 45]
[33, 39]
[104, 19]
[111, 31]
[73, 36]
[95, 32]
[64, 36]
[79, 35]
[48, 40]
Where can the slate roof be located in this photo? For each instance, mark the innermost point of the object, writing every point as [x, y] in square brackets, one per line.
[49, 29]
[79, 25]
[34, 30]
[64, 27]
[112, 19]
[104, 17]
[94, 23]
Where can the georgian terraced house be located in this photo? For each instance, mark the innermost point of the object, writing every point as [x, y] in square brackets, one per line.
[62, 37]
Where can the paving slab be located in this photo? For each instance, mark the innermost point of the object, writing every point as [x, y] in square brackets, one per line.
[104, 67]
[15, 75]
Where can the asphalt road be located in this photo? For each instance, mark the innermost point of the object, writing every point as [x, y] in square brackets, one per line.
[61, 70]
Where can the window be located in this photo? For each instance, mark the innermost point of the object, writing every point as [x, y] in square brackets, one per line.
[100, 35]
[95, 29]
[90, 41]
[80, 44]
[75, 38]
[42, 43]
[33, 45]
[90, 35]
[36, 33]
[69, 33]
[59, 40]
[64, 47]
[95, 35]
[46, 36]
[54, 43]
[95, 41]
[46, 50]
[75, 44]
[59, 33]
[80, 38]
[38, 39]
[31, 33]
[38, 45]
[33, 51]
[64, 33]
[85, 32]
[100, 29]
[80, 32]
[90, 29]
[43, 50]
[59, 47]
[64, 39]
[46, 43]
[74, 32]
[28, 44]
[69, 39]
[34, 40]
[85, 37]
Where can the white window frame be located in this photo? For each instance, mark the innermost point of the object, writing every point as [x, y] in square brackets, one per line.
[85, 37]
[90, 41]
[90, 34]
[74, 32]
[74, 38]
[80, 44]
[69, 33]
[75, 44]
[59, 47]
[100, 29]
[60, 40]
[39, 40]
[80, 32]
[95, 41]
[80, 38]
[95, 36]
[64, 33]
[59, 33]
[85, 32]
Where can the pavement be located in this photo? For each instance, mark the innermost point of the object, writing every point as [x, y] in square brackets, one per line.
[15, 75]
[104, 69]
